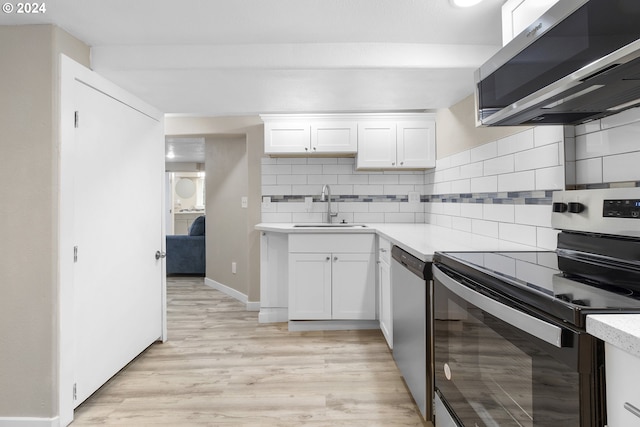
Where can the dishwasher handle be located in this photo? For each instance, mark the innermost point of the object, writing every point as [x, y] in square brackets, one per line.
[547, 332]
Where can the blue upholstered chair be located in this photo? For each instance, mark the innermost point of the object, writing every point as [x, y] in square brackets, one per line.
[186, 254]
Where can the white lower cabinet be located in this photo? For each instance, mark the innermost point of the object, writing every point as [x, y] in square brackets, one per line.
[332, 277]
[623, 377]
[274, 289]
[384, 289]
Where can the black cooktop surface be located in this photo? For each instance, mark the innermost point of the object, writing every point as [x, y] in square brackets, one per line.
[533, 281]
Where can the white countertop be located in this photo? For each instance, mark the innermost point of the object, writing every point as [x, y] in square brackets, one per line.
[620, 330]
[420, 240]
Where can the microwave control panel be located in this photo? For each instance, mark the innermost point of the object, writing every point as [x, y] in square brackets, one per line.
[621, 208]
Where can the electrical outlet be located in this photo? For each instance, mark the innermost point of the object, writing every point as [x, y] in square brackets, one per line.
[234, 267]
[414, 197]
[244, 201]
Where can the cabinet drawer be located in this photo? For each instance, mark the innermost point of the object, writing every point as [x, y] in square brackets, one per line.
[332, 242]
[384, 250]
[623, 377]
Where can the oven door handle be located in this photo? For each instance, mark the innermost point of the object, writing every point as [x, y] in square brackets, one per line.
[532, 325]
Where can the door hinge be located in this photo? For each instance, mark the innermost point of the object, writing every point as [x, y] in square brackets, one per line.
[75, 254]
[75, 392]
[76, 119]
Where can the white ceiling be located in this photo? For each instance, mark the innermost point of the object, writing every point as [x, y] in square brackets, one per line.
[245, 57]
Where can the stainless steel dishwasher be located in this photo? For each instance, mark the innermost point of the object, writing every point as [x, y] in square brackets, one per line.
[411, 312]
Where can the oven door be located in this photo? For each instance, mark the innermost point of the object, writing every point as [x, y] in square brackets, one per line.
[498, 366]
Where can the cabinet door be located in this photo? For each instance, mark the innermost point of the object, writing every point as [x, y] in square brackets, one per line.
[334, 137]
[376, 145]
[386, 325]
[287, 137]
[416, 145]
[353, 286]
[309, 286]
[519, 14]
[623, 376]
[274, 290]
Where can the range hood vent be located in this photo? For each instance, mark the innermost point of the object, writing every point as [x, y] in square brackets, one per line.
[582, 64]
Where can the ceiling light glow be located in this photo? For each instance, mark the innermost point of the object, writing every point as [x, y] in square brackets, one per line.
[170, 155]
[464, 3]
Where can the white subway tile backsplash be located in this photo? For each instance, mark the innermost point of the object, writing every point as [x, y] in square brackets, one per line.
[498, 212]
[550, 178]
[484, 152]
[441, 188]
[368, 190]
[626, 117]
[322, 179]
[499, 165]
[353, 207]
[514, 143]
[518, 181]
[368, 217]
[540, 157]
[411, 179]
[472, 210]
[337, 169]
[399, 217]
[384, 207]
[462, 224]
[291, 179]
[589, 171]
[484, 228]
[306, 169]
[322, 160]
[291, 161]
[383, 179]
[353, 179]
[461, 186]
[443, 221]
[524, 234]
[461, 158]
[269, 179]
[277, 217]
[539, 215]
[472, 170]
[284, 190]
[543, 135]
[623, 167]
[547, 238]
[485, 184]
[397, 189]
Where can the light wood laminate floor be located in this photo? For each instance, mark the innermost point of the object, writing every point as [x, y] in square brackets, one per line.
[221, 367]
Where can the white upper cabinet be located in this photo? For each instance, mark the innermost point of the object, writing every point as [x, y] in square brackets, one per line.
[519, 14]
[380, 141]
[416, 145]
[334, 137]
[297, 134]
[377, 144]
[396, 144]
[292, 137]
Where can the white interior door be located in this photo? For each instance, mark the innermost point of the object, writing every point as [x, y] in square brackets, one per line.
[112, 298]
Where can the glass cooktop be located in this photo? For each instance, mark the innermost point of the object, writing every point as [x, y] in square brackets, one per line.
[535, 280]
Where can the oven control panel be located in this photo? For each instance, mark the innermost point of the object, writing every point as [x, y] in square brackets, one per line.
[621, 208]
[605, 211]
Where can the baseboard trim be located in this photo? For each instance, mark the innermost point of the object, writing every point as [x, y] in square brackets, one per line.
[239, 296]
[29, 422]
[332, 325]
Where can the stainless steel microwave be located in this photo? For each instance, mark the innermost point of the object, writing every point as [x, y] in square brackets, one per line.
[578, 62]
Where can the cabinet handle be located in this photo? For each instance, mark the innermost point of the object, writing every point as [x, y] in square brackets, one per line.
[328, 258]
[629, 407]
[314, 148]
[306, 148]
[383, 250]
[401, 163]
[393, 164]
[335, 258]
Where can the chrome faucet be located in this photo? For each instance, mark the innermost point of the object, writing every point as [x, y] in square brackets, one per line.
[326, 191]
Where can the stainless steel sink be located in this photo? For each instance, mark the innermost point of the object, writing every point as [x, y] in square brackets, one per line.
[325, 225]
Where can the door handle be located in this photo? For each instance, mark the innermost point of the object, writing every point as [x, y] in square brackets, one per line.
[160, 254]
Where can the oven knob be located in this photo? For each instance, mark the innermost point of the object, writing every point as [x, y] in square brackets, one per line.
[575, 207]
[559, 207]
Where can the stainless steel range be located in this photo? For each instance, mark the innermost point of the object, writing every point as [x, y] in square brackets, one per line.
[509, 327]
